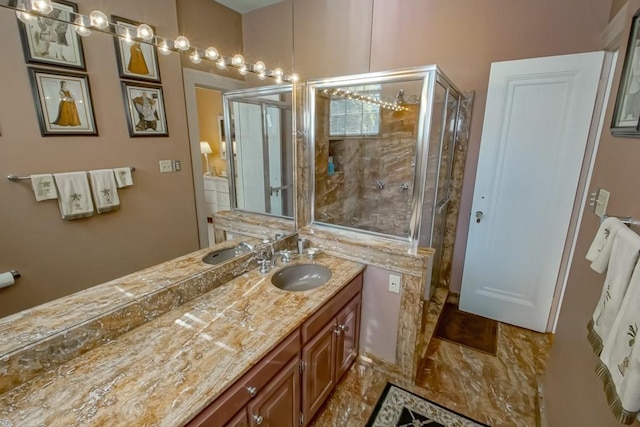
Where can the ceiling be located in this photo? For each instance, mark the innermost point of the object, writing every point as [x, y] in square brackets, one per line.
[244, 6]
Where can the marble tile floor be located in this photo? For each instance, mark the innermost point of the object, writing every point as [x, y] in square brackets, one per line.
[497, 390]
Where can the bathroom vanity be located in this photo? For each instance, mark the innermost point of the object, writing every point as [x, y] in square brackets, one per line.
[244, 337]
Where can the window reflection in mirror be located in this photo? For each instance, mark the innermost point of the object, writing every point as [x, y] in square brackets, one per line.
[259, 122]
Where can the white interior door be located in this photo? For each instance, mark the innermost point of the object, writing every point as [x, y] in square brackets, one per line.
[535, 130]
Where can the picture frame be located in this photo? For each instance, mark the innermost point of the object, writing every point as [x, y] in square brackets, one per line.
[51, 40]
[63, 103]
[144, 107]
[137, 60]
[222, 139]
[626, 115]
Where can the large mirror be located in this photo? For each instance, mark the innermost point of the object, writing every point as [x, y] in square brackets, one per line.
[259, 122]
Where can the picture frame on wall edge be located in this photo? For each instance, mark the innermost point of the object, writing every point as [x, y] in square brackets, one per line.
[144, 107]
[63, 102]
[51, 40]
[626, 115]
[137, 60]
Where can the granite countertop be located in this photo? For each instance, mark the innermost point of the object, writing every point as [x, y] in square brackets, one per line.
[166, 371]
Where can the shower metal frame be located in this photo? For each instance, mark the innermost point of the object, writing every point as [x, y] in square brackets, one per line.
[429, 75]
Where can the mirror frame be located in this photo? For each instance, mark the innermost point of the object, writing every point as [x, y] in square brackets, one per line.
[243, 95]
[429, 75]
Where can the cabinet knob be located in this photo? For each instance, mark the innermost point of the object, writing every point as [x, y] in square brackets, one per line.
[337, 330]
[251, 390]
[342, 327]
[258, 419]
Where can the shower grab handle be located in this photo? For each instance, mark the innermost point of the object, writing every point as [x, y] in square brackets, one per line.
[444, 205]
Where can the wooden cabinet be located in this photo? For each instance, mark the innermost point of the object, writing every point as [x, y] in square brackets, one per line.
[274, 393]
[333, 348]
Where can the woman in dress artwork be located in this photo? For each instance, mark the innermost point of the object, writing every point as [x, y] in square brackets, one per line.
[137, 63]
[67, 110]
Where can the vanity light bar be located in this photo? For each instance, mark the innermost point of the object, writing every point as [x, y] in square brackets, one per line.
[367, 99]
[27, 10]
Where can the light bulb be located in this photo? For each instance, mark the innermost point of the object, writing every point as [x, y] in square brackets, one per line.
[243, 70]
[262, 75]
[278, 73]
[221, 63]
[211, 53]
[81, 27]
[259, 67]
[195, 57]
[182, 43]
[99, 20]
[164, 48]
[144, 32]
[127, 36]
[42, 6]
[237, 60]
[294, 78]
[279, 80]
[23, 15]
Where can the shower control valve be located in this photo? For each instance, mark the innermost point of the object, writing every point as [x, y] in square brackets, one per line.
[404, 186]
[379, 185]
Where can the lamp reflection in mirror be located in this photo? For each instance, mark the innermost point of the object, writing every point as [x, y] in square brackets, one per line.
[205, 149]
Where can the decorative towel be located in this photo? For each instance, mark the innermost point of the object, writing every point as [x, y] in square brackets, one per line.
[74, 195]
[44, 187]
[619, 364]
[123, 177]
[624, 256]
[600, 250]
[105, 193]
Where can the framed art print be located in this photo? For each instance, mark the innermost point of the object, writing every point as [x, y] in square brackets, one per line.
[51, 40]
[63, 103]
[626, 115]
[144, 105]
[136, 60]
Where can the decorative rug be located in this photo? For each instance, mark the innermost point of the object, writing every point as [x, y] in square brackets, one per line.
[398, 407]
[469, 330]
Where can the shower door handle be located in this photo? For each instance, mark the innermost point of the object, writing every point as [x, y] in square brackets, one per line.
[479, 216]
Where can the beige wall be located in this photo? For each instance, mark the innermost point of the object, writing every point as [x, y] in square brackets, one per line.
[267, 35]
[334, 37]
[205, 22]
[157, 218]
[209, 108]
[574, 394]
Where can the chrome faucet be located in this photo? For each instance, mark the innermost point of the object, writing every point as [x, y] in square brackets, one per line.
[266, 257]
[245, 245]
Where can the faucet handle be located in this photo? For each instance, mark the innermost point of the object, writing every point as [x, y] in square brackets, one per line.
[285, 255]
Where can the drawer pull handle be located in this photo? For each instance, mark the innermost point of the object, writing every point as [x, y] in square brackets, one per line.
[258, 419]
[251, 390]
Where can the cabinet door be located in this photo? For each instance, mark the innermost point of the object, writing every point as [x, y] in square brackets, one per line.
[318, 375]
[240, 420]
[349, 336]
[278, 404]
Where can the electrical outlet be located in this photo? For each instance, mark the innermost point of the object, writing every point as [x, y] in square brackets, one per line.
[177, 166]
[166, 166]
[394, 283]
[601, 202]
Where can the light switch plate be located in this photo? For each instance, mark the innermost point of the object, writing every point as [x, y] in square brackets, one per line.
[166, 166]
[394, 283]
[177, 166]
[602, 201]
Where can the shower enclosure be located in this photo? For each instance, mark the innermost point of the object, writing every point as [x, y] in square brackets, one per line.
[384, 145]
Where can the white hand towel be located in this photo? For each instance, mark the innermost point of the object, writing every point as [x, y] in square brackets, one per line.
[600, 251]
[123, 177]
[44, 187]
[624, 256]
[74, 195]
[105, 193]
[619, 364]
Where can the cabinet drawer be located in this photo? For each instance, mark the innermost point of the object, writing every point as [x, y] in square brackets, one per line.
[241, 392]
[223, 199]
[209, 183]
[327, 312]
[221, 185]
[210, 196]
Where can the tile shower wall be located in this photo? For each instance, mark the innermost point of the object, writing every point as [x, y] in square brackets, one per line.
[350, 196]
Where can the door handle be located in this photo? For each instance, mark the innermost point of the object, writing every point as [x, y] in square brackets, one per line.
[479, 216]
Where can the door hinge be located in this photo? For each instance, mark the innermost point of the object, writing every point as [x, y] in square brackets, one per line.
[301, 365]
[301, 418]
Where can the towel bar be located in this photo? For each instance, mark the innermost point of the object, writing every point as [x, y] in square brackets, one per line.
[623, 219]
[15, 178]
